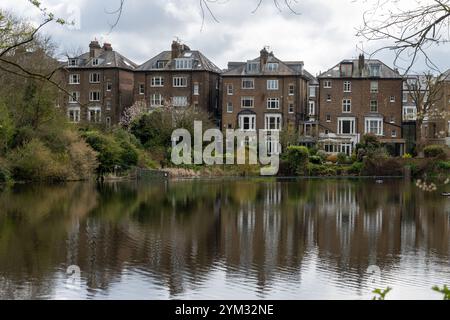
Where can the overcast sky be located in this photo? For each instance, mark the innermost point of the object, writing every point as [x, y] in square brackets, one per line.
[322, 35]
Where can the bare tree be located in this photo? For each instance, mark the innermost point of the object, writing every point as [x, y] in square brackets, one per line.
[426, 92]
[408, 28]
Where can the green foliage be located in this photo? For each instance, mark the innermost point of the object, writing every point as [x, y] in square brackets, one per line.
[356, 168]
[444, 165]
[407, 156]
[154, 129]
[34, 161]
[434, 151]
[371, 148]
[445, 291]
[298, 159]
[6, 128]
[5, 174]
[342, 158]
[315, 160]
[380, 295]
[322, 170]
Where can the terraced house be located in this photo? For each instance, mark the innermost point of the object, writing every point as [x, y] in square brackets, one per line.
[360, 97]
[180, 78]
[264, 94]
[100, 83]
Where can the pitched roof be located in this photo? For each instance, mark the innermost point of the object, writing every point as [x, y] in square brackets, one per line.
[200, 62]
[285, 68]
[385, 71]
[106, 59]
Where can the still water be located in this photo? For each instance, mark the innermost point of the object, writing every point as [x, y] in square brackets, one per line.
[223, 239]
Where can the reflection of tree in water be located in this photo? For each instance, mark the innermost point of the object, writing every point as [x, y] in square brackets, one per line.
[177, 233]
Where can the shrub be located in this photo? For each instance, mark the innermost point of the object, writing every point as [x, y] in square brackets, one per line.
[342, 158]
[356, 168]
[407, 156]
[332, 158]
[322, 170]
[315, 159]
[5, 174]
[322, 154]
[298, 159]
[434, 151]
[444, 165]
[34, 161]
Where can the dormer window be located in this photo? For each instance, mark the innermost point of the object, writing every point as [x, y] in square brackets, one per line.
[272, 67]
[375, 70]
[183, 64]
[95, 62]
[161, 64]
[252, 67]
[73, 63]
[346, 70]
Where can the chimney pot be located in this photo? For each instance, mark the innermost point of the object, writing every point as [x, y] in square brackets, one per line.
[94, 49]
[107, 46]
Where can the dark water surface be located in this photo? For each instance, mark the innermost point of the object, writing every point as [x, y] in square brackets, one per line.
[223, 239]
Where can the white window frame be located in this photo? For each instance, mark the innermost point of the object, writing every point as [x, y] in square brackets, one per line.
[156, 100]
[97, 114]
[312, 108]
[72, 63]
[252, 67]
[341, 120]
[392, 99]
[179, 82]
[379, 128]
[252, 122]
[374, 103]
[346, 105]
[230, 89]
[180, 101]
[272, 84]
[291, 108]
[109, 86]
[347, 86]
[252, 99]
[328, 118]
[196, 89]
[157, 82]
[230, 108]
[312, 91]
[95, 62]
[183, 64]
[273, 103]
[92, 96]
[374, 87]
[291, 90]
[74, 97]
[141, 89]
[273, 66]
[74, 76]
[108, 104]
[76, 112]
[94, 77]
[248, 80]
[327, 84]
[278, 122]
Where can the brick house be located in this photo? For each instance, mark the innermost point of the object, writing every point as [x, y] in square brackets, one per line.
[358, 97]
[180, 77]
[100, 83]
[264, 94]
[436, 126]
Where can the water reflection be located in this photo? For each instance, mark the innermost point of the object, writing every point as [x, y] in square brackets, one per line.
[223, 239]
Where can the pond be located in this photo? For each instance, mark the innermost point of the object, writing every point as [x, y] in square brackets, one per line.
[223, 239]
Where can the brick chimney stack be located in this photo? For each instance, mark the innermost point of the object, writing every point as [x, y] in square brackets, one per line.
[94, 49]
[177, 49]
[107, 46]
[264, 56]
[361, 63]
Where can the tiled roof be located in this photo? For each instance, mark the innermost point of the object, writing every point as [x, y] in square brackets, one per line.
[201, 63]
[385, 71]
[290, 68]
[106, 59]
